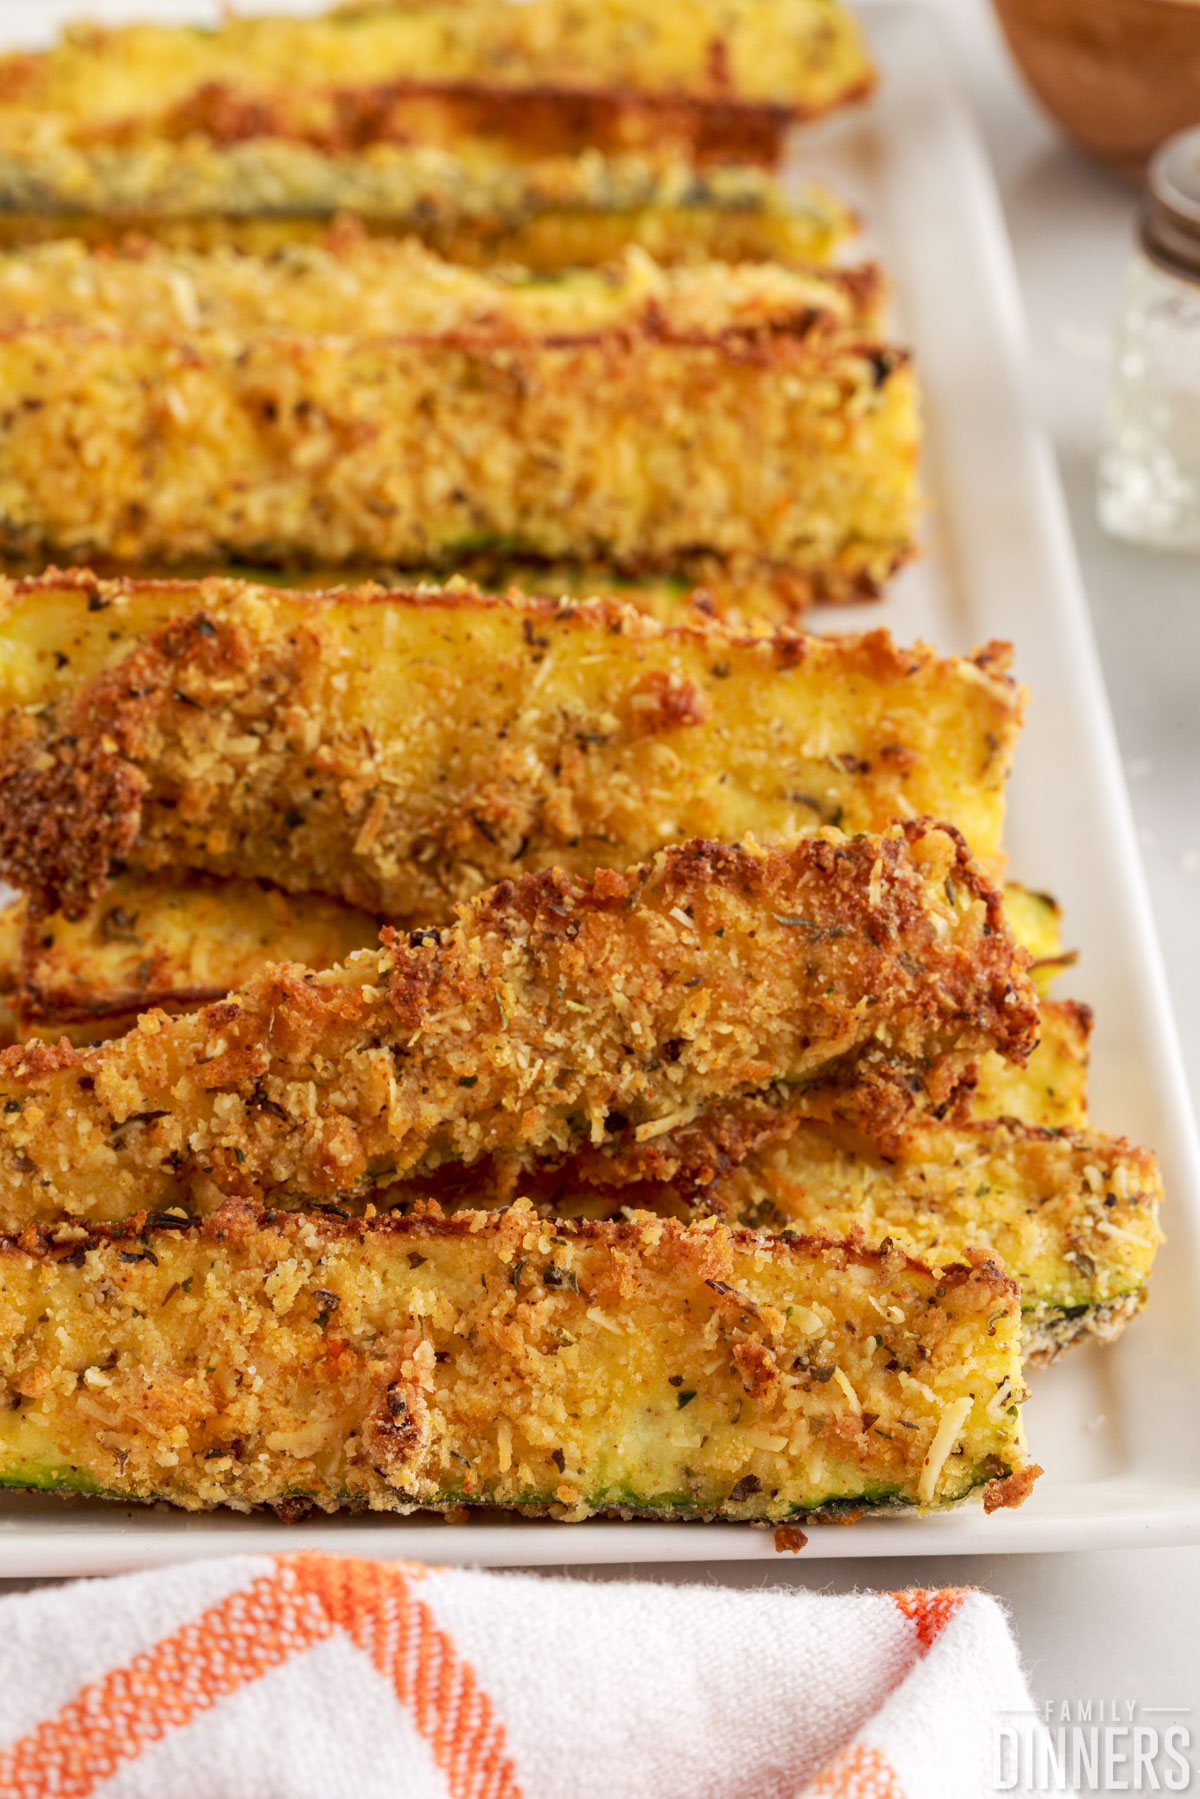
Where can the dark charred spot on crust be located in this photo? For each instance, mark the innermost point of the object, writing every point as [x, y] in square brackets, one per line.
[883, 362]
[292, 1510]
[543, 118]
[398, 1429]
[745, 1488]
[62, 826]
[664, 702]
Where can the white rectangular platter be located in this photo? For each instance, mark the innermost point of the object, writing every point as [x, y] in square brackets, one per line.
[1117, 1429]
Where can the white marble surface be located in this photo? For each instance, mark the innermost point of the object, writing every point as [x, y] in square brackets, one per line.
[1122, 1625]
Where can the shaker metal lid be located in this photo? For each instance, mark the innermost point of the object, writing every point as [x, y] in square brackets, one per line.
[1170, 218]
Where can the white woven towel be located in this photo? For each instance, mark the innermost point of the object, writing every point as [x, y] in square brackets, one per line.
[315, 1677]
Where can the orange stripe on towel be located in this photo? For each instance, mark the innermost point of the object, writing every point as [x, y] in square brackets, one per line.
[857, 1773]
[930, 1609]
[302, 1602]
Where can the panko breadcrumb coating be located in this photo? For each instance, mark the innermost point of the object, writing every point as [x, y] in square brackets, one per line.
[637, 1367]
[689, 423]
[406, 750]
[359, 286]
[1071, 1214]
[551, 1014]
[175, 943]
[712, 79]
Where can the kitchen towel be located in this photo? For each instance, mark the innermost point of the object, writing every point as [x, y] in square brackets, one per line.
[325, 1677]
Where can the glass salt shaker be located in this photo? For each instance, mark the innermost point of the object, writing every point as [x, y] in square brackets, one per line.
[1149, 477]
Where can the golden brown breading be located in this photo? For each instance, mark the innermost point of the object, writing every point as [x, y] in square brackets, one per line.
[357, 286]
[178, 942]
[1071, 1215]
[714, 222]
[722, 79]
[477, 120]
[1045, 1097]
[636, 1367]
[783, 451]
[405, 750]
[549, 1015]
[171, 942]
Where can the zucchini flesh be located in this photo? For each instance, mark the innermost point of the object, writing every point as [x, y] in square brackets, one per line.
[640, 1367]
[576, 215]
[172, 943]
[1051, 1090]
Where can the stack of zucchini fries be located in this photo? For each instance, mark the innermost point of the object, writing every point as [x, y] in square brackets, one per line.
[574, 1054]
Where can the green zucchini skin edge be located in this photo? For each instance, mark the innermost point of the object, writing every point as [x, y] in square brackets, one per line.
[607, 1503]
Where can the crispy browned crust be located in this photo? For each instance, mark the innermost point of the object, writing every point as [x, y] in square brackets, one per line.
[362, 287]
[546, 240]
[728, 89]
[149, 944]
[837, 505]
[86, 796]
[239, 1219]
[553, 1012]
[753, 597]
[783, 344]
[537, 120]
[98, 777]
[368, 1396]
[1013, 1490]
[745, 592]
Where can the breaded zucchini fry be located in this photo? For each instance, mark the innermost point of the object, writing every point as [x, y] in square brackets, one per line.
[1035, 920]
[725, 76]
[354, 285]
[405, 750]
[1072, 1215]
[666, 431]
[549, 1015]
[166, 942]
[637, 1367]
[574, 212]
[12, 1025]
[1051, 1090]
[180, 943]
[158, 941]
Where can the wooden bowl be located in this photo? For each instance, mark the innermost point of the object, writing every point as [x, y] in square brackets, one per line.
[1118, 75]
